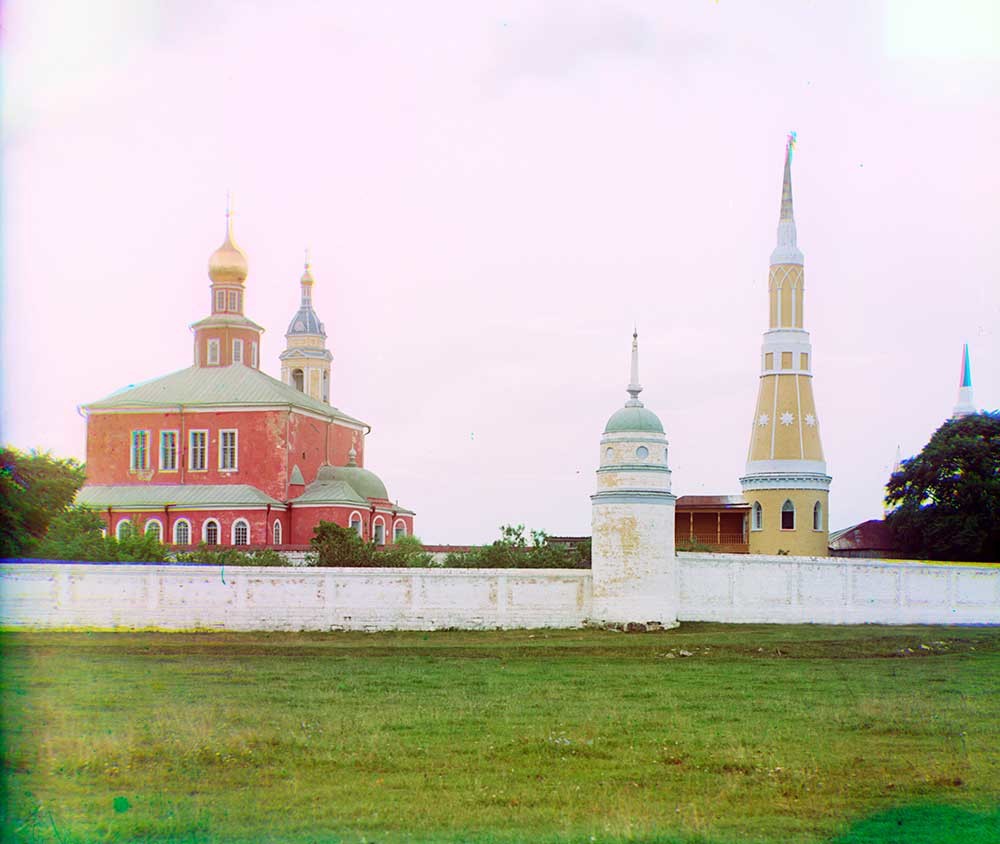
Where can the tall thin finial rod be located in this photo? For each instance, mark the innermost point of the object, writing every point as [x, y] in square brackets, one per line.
[634, 387]
[229, 214]
[307, 257]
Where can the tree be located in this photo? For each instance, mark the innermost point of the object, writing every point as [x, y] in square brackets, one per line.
[34, 488]
[948, 497]
[334, 545]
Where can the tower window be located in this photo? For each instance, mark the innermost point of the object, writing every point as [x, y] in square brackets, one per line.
[220, 300]
[182, 532]
[227, 450]
[788, 516]
[234, 300]
[326, 385]
[237, 351]
[139, 451]
[817, 516]
[197, 451]
[253, 355]
[210, 532]
[642, 452]
[168, 451]
[298, 380]
[241, 532]
[213, 352]
[758, 516]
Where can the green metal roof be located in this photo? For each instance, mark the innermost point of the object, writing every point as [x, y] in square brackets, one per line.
[176, 495]
[636, 419]
[226, 386]
[330, 492]
[363, 481]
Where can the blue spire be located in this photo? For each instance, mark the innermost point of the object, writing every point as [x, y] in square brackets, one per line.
[966, 368]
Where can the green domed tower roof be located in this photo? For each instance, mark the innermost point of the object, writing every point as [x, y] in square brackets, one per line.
[362, 481]
[634, 417]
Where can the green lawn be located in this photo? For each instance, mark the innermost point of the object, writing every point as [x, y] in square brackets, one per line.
[710, 733]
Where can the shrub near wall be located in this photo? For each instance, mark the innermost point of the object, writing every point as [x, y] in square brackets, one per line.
[512, 551]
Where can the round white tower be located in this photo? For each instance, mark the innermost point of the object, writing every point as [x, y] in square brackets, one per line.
[634, 565]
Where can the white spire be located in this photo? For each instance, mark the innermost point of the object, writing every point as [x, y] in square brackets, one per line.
[965, 405]
[787, 252]
[634, 387]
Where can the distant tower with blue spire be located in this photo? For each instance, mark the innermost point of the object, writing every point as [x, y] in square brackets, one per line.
[964, 406]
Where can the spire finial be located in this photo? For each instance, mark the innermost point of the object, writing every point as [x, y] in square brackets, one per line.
[229, 215]
[307, 257]
[787, 214]
[787, 250]
[634, 388]
[965, 405]
[352, 457]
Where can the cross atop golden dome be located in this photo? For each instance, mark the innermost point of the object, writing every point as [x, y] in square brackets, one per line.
[228, 264]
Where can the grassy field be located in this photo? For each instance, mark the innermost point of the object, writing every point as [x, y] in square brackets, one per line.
[708, 733]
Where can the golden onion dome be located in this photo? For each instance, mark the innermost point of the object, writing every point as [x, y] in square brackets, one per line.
[307, 276]
[228, 264]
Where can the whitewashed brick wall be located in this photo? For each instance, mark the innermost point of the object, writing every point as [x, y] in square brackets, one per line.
[710, 587]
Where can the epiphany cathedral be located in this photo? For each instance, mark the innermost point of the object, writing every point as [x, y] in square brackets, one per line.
[224, 454]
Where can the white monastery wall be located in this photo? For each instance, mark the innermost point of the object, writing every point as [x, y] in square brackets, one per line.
[741, 588]
[734, 588]
[178, 597]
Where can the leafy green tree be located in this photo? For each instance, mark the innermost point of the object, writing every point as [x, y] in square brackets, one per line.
[948, 497]
[334, 545]
[405, 552]
[512, 550]
[34, 488]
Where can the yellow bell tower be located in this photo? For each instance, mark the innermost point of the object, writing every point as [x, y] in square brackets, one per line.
[786, 483]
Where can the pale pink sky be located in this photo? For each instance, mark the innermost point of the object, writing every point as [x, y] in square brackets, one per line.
[492, 193]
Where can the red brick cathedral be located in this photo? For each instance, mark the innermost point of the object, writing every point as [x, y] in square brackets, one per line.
[222, 453]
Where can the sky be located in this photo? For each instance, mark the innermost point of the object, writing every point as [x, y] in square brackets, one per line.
[493, 194]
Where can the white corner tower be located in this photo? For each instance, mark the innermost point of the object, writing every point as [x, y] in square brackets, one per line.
[634, 565]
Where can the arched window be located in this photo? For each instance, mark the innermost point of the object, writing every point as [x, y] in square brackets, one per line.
[182, 532]
[788, 515]
[276, 532]
[758, 516]
[378, 530]
[326, 385]
[356, 522]
[124, 529]
[154, 528]
[298, 380]
[817, 516]
[210, 532]
[241, 532]
[398, 530]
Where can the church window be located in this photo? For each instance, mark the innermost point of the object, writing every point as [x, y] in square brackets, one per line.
[758, 516]
[182, 532]
[227, 450]
[642, 452]
[788, 516]
[356, 523]
[818, 516]
[124, 529]
[276, 533]
[234, 300]
[210, 532]
[398, 530]
[237, 351]
[220, 300]
[213, 352]
[154, 529]
[168, 451]
[298, 380]
[379, 530]
[139, 452]
[198, 451]
[241, 532]
[253, 355]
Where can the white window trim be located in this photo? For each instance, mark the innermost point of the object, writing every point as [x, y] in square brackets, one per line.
[177, 438]
[191, 434]
[232, 531]
[236, 449]
[150, 523]
[212, 360]
[361, 523]
[177, 524]
[131, 451]
[277, 533]
[818, 504]
[204, 530]
[220, 300]
[120, 525]
[756, 524]
[253, 355]
[377, 522]
[399, 523]
[237, 344]
[233, 301]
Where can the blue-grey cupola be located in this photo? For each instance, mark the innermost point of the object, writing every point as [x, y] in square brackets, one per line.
[305, 363]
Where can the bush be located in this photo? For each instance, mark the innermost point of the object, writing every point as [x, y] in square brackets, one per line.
[512, 551]
[405, 552]
[76, 534]
[213, 555]
[334, 545]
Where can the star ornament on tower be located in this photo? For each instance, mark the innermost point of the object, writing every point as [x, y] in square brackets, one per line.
[810, 420]
[763, 419]
[787, 418]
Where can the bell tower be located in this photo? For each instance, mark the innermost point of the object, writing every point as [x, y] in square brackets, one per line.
[305, 362]
[786, 483]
